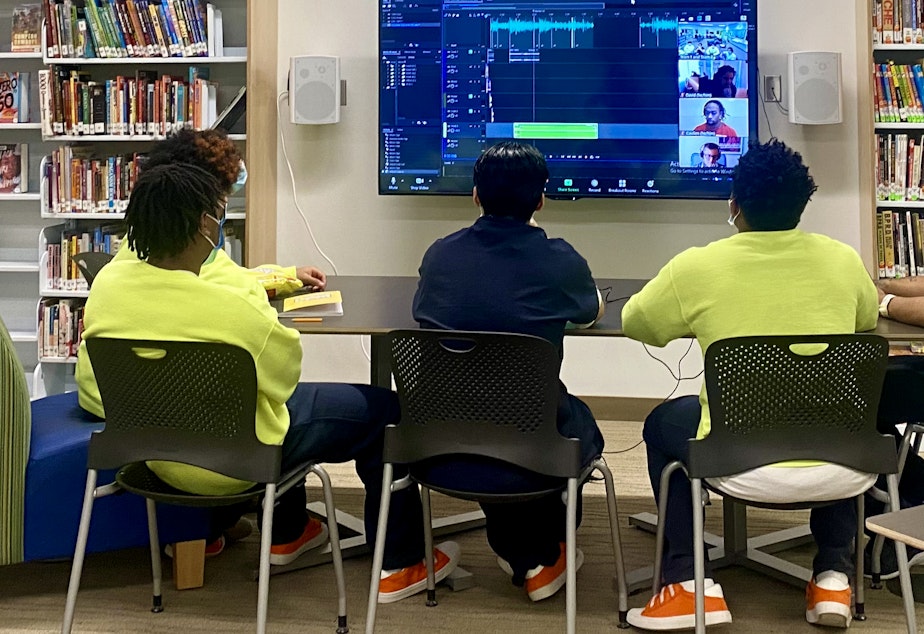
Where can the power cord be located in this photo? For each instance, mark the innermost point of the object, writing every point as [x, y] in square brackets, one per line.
[763, 103]
[284, 95]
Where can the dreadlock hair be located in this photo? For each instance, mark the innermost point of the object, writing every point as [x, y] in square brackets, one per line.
[510, 178]
[772, 186]
[209, 149]
[165, 207]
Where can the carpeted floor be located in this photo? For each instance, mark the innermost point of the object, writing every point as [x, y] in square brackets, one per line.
[115, 595]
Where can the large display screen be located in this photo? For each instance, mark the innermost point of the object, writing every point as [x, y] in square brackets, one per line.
[626, 98]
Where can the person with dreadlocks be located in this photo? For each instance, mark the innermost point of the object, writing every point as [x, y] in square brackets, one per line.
[733, 288]
[213, 151]
[174, 219]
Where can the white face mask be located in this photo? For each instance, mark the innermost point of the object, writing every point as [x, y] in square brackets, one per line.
[732, 218]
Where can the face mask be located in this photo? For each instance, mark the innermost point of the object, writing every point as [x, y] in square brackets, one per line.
[221, 232]
[241, 179]
[732, 218]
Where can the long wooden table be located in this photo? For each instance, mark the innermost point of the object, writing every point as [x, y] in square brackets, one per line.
[375, 306]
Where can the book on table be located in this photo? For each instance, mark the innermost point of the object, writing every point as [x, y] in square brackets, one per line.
[309, 304]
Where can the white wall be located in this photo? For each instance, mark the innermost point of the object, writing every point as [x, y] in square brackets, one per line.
[367, 234]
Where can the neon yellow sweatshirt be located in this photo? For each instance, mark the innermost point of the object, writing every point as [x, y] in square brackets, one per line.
[754, 283]
[133, 299]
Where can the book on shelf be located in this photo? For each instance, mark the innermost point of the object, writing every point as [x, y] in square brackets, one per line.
[26, 31]
[14, 168]
[14, 97]
[232, 119]
[308, 303]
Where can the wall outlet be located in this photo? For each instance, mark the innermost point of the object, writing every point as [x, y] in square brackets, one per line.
[773, 88]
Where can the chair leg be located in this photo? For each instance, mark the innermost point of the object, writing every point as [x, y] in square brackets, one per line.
[664, 487]
[901, 554]
[699, 555]
[428, 546]
[571, 556]
[157, 604]
[378, 555]
[266, 539]
[79, 552]
[336, 555]
[859, 602]
[621, 586]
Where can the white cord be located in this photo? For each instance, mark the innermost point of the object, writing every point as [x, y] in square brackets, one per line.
[362, 344]
[284, 95]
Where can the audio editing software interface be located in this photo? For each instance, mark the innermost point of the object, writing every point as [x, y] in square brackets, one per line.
[626, 98]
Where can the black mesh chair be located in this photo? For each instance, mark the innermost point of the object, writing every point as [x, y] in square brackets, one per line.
[195, 403]
[772, 400]
[491, 395]
[90, 263]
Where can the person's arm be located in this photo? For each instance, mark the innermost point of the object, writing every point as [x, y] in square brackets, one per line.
[654, 315]
[903, 286]
[908, 310]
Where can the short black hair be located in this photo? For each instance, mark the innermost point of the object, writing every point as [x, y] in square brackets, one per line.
[710, 146]
[716, 102]
[724, 69]
[165, 206]
[510, 178]
[772, 186]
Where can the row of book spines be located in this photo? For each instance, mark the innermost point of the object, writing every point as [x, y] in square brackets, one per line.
[61, 270]
[126, 28]
[898, 167]
[900, 243]
[122, 105]
[898, 21]
[89, 185]
[60, 328]
[899, 90]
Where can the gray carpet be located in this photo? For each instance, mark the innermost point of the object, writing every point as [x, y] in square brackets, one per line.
[115, 594]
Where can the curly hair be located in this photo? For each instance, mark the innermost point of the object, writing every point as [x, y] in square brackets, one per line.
[510, 178]
[211, 150]
[166, 206]
[772, 186]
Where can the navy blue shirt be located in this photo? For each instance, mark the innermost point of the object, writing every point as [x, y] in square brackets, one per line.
[503, 275]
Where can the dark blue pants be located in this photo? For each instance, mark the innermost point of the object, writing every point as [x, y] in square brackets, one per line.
[338, 422]
[668, 429]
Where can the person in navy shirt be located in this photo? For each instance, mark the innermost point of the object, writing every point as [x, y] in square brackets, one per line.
[503, 274]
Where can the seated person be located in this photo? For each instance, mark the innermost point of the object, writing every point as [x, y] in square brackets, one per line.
[714, 113]
[174, 220]
[213, 151]
[537, 286]
[731, 288]
[710, 156]
[722, 84]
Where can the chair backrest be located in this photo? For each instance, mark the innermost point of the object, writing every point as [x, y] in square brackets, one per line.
[779, 398]
[90, 263]
[184, 401]
[479, 393]
[15, 432]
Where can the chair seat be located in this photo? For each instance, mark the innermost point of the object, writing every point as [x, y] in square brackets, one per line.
[139, 479]
[481, 478]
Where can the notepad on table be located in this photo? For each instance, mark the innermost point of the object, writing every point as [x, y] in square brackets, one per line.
[319, 304]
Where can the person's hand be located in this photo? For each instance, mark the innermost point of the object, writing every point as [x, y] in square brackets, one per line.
[311, 277]
[880, 292]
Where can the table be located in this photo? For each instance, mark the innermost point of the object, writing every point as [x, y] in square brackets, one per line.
[375, 305]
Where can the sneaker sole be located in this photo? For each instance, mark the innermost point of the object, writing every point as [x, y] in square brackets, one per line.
[556, 584]
[683, 622]
[451, 550]
[319, 540]
[829, 614]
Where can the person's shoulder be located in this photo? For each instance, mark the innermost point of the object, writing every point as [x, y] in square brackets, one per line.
[830, 245]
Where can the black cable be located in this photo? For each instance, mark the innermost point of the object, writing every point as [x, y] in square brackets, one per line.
[605, 292]
[764, 103]
[624, 450]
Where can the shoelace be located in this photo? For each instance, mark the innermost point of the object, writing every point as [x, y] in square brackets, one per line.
[660, 598]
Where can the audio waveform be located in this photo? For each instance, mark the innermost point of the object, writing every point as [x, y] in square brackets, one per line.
[657, 24]
[542, 26]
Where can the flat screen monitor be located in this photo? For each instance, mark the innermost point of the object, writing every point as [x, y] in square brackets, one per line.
[625, 98]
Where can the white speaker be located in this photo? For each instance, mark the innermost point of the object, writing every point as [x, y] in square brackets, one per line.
[314, 89]
[815, 87]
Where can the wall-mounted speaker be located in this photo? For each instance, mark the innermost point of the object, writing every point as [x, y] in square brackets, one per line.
[314, 89]
[815, 87]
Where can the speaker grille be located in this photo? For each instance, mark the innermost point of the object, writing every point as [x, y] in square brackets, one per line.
[315, 101]
[817, 99]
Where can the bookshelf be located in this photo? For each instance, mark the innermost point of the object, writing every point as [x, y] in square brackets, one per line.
[22, 257]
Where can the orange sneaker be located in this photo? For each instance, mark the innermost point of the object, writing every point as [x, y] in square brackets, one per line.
[400, 584]
[827, 600]
[544, 581]
[674, 608]
[314, 535]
